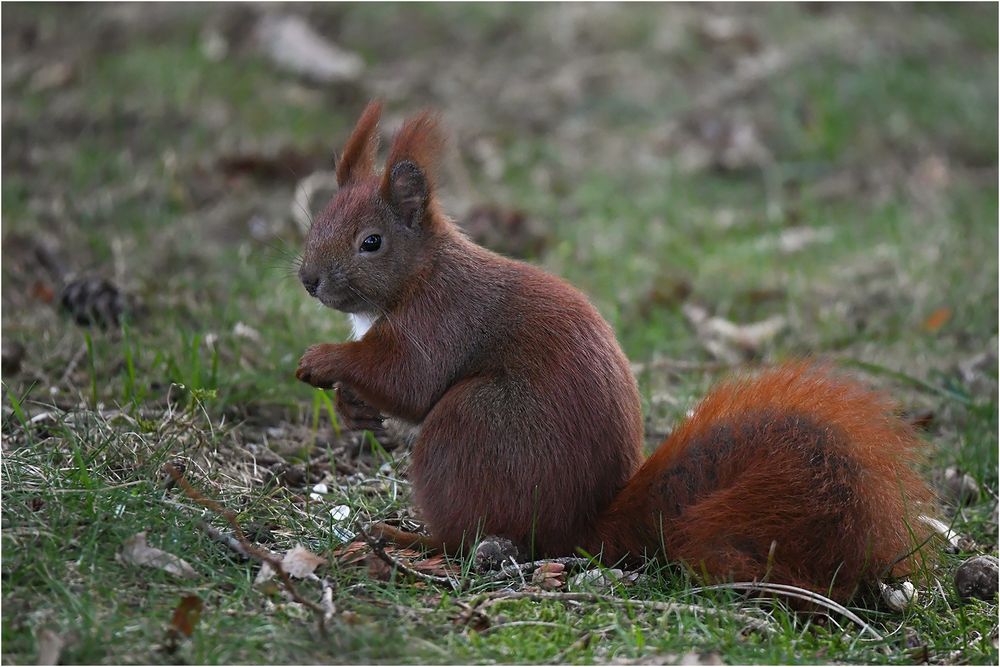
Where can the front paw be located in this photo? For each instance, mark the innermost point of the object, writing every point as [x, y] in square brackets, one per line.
[355, 414]
[315, 368]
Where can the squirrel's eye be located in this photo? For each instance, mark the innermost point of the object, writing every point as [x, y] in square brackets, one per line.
[371, 243]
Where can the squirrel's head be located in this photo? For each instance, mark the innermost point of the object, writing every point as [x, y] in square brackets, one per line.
[365, 247]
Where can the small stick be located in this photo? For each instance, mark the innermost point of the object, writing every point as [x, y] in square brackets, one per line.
[226, 539]
[798, 593]
[379, 551]
[250, 549]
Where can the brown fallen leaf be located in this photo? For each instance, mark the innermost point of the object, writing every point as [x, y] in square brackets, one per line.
[186, 615]
[730, 341]
[300, 562]
[135, 551]
[351, 553]
[937, 319]
[297, 563]
[435, 565]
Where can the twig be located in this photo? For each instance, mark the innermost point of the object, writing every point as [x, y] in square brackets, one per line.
[226, 539]
[497, 597]
[379, 551]
[798, 593]
[247, 547]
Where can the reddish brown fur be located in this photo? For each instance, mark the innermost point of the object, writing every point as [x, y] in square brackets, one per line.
[420, 141]
[796, 458]
[358, 160]
[531, 422]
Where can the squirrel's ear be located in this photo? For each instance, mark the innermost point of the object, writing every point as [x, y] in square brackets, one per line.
[408, 192]
[358, 158]
[408, 181]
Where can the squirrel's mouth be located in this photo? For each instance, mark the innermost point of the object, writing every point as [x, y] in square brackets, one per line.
[345, 303]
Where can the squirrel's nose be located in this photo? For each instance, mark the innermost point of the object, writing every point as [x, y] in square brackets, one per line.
[310, 283]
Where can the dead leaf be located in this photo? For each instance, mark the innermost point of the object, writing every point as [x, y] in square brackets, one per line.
[295, 47]
[135, 551]
[435, 565]
[186, 615]
[50, 646]
[298, 563]
[354, 552]
[730, 341]
[937, 319]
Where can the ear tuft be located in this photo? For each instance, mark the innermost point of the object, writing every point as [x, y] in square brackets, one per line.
[420, 144]
[409, 192]
[358, 158]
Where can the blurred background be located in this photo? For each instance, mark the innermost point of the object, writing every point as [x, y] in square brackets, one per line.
[730, 184]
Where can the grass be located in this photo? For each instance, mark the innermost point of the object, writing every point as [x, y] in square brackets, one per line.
[886, 146]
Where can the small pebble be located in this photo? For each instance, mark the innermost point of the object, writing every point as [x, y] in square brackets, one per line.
[898, 598]
[340, 512]
[978, 578]
[320, 488]
[316, 497]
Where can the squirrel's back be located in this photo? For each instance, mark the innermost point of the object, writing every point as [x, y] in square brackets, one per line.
[795, 476]
[542, 425]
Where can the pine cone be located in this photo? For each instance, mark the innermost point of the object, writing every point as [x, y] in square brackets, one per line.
[92, 300]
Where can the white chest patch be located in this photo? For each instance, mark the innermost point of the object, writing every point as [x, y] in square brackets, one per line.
[361, 323]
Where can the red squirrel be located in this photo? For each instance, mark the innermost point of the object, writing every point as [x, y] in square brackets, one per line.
[530, 418]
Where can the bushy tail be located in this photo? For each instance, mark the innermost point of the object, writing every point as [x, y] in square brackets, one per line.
[796, 476]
